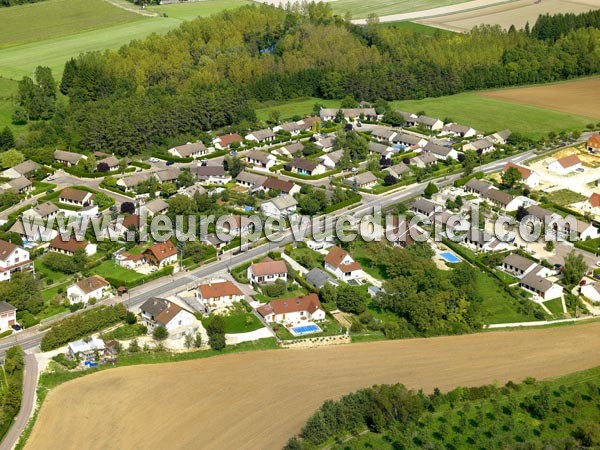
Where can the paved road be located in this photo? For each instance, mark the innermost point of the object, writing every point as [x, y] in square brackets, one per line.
[27, 403]
[166, 286]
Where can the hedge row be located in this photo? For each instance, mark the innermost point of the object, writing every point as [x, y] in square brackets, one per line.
[310, 177]
[140, 164]
[352, 200]
[81, 325]
[464, 180]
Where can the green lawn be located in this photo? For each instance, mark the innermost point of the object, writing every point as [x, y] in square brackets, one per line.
[298, 107]
[239, 322]
[108, 269]
[489, 115]
[555, 307]
[189, 11]
[48, 273]
[361, 8]
[564, 197]
[498, 306]
[8, 89]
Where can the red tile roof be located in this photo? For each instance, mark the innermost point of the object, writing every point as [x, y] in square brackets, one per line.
[67, 246]
[228, 139]
[217, 290]
[595, 200]
[569, 161]
[594, 141]
[525, 172]
[308, 303]
[335, 257]
[162, 250]
[268, 267]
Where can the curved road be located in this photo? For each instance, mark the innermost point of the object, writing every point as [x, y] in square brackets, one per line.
[257, 400]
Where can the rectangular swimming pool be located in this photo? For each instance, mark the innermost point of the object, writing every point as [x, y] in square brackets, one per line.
[305, 329]
[450, 257]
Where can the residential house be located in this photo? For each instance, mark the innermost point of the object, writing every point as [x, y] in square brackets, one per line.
[8, 316]
[237, 225]
[129, 260]
[365, 180]
[304, 167]
[280, 207]
[591, 291]
[479, 239]
[260, 159]
[307, 123]
[565, 165]
[481, 146]
[454, 129]
[211, 174]
[319, 278]
[500, 138]
[42, 211]
[501, 199]
[289, 150]
[543, 216]
[161, 254]
[169, 175]
[267, 271]
[76, 197]
[13, 259]
[593, 143]
[339, 262]
[424, 207]
[86, 351]
[383, 151]
[409, 140]
[33, 234]
[131, 182]
[518, 265]
[154, 207]
[540, 286]
[410, 119]
[429, 123]
[294, 128]
[398, 170]
[224, 141]
[250, 180]
[331, 160]
[19, 185]
[326, 144]
[68, 158]
[530, 178]
[94, 287]
[293, 310]
[440, 152]
[261, 136]
[23, 169]
[192, 190]
[190, 150]
[383, 134]
[283, 186]
[476, 186]
[156, 312]
[112, 162]
[350, 114]
[219, 295]
[586, 230]
[592, 204]
[423, 160]
[68, 247]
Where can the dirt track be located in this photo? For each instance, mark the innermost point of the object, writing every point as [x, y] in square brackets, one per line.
[257, 400]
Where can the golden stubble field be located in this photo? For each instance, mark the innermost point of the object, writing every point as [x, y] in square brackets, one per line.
[581, 97]
[516, 13]
[257, 400]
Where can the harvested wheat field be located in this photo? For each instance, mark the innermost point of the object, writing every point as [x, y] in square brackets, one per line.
[257, 400]
[516, 13]
[580, 97]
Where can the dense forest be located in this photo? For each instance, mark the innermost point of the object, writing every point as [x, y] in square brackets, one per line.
[213, 72]
[11, 387]
[554, 415]
[554, 26]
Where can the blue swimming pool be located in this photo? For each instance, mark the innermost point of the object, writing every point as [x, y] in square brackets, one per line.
[450, 257]
[305, 329]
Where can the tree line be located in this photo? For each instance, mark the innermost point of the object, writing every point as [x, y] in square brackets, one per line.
[6, 3]
[553, 26]
[11, 394]
[211, 73]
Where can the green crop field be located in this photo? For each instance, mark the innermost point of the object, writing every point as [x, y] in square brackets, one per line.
[489, 115]
[47, 35]
[360, 8]
[54, 18]
[189, 11]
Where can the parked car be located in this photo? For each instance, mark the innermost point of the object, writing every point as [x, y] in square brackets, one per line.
[170, 163]
[50, 191]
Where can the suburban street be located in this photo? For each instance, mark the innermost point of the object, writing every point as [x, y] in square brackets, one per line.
[165, 286]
